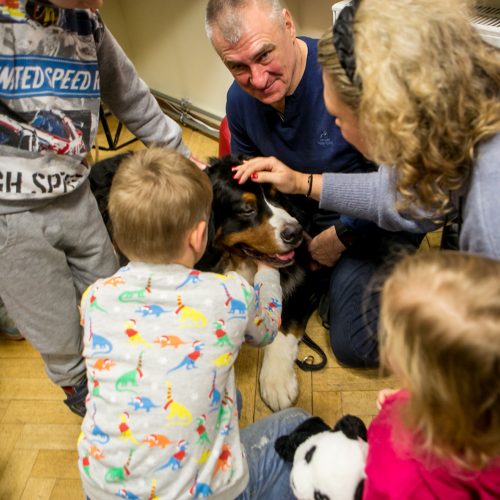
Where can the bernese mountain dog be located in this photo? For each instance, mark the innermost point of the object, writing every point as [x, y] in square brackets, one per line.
[252, 222]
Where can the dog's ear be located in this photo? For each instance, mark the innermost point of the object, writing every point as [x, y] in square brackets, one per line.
[285, 446]
[353, 427]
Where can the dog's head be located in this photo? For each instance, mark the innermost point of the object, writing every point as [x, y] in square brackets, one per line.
[249, 219]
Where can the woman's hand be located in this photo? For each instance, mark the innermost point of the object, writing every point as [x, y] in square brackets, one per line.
[273, 171]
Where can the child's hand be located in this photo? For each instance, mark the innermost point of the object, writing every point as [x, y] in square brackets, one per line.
[383, 395]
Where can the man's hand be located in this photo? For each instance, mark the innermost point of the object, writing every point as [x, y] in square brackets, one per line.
[326, 248]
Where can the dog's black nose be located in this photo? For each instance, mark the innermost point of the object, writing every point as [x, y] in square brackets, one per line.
[291, 234]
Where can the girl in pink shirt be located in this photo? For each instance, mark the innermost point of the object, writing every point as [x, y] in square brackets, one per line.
[439, 437]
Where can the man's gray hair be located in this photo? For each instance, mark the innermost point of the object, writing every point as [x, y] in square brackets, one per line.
[225, 14]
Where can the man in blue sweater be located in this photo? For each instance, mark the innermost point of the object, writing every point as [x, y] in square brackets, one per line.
[275, 108]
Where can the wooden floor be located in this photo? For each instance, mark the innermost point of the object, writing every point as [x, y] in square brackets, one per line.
[38, 433]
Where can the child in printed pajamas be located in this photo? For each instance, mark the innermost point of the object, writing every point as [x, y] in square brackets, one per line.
[160, 342]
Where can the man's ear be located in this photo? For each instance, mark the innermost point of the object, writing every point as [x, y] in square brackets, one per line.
[289, 24]
[197, 238]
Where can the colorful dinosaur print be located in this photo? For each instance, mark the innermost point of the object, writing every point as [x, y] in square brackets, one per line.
[156, 440]
[151, 310]
[102, 364]
[169, 341]
[226, 429]
[273, 305]
[223, 462]
[265, 340]
[142, 403]
[94, 306]
[96, 453]
[193, 277]
[189, 361]
[96, 386]
[114, 281]
[202, 430]
[152, 493]
[177, 413]
[225, 410]
[221, 334]
[86, 465]
[136, 295]
[98, 435]
[117, 474]
[130, 378]
[134, 337]
[246, 294]
[204, 456]
[125, 432]
[224, 359]
[198, 490]
[123, 493]
[256, 288]
[175, 461]
[214, 393]
[235, 306]
[99, 344]
[189, 316]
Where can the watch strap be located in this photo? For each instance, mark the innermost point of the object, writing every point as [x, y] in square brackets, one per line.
[345, 234]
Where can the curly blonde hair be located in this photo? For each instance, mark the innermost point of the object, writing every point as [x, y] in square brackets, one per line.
[440, 333]
[156, 197]
[429, 93]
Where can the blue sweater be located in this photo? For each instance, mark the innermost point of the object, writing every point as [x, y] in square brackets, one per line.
[307, 139]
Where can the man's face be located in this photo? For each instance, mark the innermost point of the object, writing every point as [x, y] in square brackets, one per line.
[264, 60]
[77, 4]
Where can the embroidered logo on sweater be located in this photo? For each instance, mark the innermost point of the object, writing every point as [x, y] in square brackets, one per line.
[324, 139]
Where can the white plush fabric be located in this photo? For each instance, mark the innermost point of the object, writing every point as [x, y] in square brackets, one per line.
[328, 465]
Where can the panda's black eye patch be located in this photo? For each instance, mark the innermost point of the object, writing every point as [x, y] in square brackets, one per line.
[310, 454]
[320, 496]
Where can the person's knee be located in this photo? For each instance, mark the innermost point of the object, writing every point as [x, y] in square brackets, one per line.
[293, 417]
[359, 350]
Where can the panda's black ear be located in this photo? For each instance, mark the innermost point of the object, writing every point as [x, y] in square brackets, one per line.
[353, 427]
[285, 446]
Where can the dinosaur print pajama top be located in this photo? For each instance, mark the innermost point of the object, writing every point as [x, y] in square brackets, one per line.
[160, 342]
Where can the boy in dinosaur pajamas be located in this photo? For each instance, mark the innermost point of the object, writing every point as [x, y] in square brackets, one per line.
[159, 206]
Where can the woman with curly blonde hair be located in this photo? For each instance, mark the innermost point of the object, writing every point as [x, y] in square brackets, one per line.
[415, 89]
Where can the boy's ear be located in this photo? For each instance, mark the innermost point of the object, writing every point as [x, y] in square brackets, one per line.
[197, 238]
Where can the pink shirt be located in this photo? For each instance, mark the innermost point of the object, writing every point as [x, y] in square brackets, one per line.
[390, 474]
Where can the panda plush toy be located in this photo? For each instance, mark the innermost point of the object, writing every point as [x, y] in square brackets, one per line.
[328, 464]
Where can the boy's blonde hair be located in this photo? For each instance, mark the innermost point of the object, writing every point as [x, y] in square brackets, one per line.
[429, 93]
[440, 332]
[156, 198]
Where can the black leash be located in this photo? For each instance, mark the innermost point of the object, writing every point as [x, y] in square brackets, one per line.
[308, 363]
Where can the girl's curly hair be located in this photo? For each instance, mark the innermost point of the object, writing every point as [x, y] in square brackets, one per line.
[427, 93]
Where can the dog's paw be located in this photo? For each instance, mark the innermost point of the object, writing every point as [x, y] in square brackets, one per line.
[279, 386]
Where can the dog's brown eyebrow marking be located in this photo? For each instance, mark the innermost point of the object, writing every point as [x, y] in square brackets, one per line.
[249, 198]
[260, 238]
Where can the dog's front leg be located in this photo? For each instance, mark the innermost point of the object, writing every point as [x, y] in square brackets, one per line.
[279, 386]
